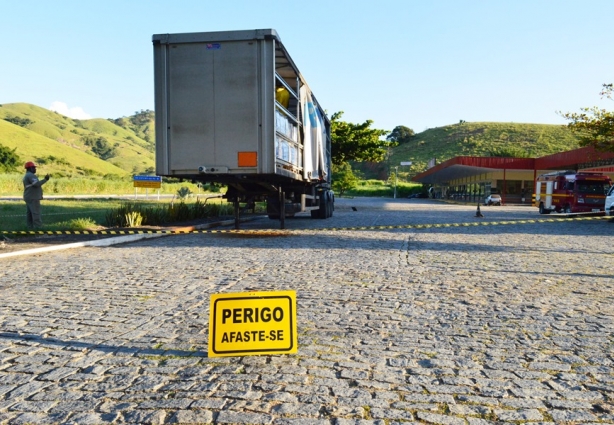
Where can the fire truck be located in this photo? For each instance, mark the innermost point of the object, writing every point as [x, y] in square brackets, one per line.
[571, 192]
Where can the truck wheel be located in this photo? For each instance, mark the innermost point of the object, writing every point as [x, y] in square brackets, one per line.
[567, 209]
[323, 211]
[326, 202]
[330, 200]
[543, 210]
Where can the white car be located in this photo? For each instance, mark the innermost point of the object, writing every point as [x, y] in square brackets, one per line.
[493, 200]
[609, 202]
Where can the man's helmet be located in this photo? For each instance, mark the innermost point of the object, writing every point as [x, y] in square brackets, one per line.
[29, 164]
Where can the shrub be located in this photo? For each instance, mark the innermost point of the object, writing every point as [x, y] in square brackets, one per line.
[134, 219]
[343, 178]
[99, 145]
[164, 214]
[82, 224]
[183, 192]
[22, 122]
[9, 160]
[76, 224]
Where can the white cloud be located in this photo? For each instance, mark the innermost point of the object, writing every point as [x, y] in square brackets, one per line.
[76, 112]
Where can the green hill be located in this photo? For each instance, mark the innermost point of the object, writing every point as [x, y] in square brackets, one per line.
[125, 146]
[482, 139]
[76, 147]
[53, 156]
[142, 123]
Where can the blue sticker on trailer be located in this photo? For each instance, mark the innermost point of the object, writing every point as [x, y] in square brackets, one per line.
[214, 46]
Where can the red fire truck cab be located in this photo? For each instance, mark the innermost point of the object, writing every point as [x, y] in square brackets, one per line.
[571, 192]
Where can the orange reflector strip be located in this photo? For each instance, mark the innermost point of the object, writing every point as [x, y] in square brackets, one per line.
[248, 159]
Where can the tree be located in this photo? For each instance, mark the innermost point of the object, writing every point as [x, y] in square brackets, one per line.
[344, 178]
[401, 134]
[595, 126]
[357, 142]
[100, 146]
[9, 160]
[142, 117]
[22, 122]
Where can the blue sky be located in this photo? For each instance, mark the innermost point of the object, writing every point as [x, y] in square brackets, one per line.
[421, 64]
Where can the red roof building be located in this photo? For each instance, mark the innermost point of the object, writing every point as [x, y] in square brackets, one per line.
[472, 178]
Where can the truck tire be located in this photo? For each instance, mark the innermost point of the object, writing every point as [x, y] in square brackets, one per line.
[325, 209]
[329, 207]
[567, 209]
[543, 210]
[330, 203]
[324, 205]
[320, 212]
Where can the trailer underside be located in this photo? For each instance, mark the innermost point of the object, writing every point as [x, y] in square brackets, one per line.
[284, 197]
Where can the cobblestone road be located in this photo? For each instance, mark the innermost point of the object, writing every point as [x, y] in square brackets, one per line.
[456, 325]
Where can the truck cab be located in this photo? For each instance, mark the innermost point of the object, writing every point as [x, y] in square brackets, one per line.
[571, 192]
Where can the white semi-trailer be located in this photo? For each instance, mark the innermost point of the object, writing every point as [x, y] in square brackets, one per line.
[232, 108]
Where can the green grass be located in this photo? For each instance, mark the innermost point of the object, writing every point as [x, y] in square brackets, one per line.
[77, 214]
[11, 185]
[379, 188]
[57, 214]
[135, 214]
[93, 214]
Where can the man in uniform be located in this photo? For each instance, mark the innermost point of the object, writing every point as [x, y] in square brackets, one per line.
[32, 194]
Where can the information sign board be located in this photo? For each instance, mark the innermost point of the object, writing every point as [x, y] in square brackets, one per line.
[252, 323]
[154, 182]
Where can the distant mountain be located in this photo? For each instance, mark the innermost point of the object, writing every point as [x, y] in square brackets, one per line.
[71, 147]
[474, 139]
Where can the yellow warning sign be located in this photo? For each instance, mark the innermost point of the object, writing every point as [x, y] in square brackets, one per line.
[147, 184]
[252, 323]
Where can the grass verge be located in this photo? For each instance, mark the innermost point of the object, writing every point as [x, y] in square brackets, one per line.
[92, 214]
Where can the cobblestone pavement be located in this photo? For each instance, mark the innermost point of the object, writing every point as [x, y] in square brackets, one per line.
[457, 325]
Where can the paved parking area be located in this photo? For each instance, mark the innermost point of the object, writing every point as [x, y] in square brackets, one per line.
[450, 325]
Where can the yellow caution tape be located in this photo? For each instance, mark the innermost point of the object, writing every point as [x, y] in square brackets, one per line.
[330, 229]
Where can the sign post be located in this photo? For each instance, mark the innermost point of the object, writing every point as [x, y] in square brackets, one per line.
[396, 173]
[154, 182]
[252, 323]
